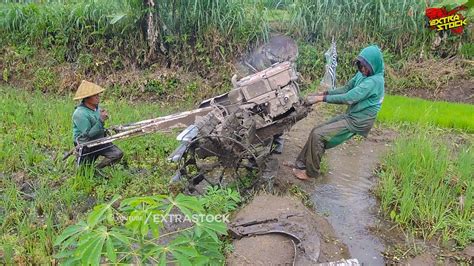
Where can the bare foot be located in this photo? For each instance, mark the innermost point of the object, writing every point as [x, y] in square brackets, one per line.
[300, 174]
[298, 165]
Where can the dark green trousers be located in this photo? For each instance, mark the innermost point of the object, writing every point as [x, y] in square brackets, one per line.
[322, 137]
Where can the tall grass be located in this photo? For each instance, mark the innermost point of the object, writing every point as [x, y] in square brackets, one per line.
[120, 26]
[395, 23]
[203, 36]
[428, 188]
[401, 109]
[75, 27]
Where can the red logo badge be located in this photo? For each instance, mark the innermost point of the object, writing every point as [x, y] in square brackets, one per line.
[440, 19]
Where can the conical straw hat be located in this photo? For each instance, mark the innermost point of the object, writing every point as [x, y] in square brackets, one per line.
[87, 89]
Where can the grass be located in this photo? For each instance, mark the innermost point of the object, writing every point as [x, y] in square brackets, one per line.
[41, 194]
[400, 109]
[427, 187]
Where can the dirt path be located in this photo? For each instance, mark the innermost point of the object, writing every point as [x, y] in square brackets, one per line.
[296, 138]
[346, 185]
[343, 193]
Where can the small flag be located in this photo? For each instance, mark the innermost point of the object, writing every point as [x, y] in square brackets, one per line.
[329, 79]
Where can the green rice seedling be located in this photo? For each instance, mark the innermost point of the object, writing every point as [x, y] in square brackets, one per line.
[397, 109]
[426, 188]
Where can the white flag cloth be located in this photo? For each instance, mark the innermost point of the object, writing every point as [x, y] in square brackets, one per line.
[329, 79]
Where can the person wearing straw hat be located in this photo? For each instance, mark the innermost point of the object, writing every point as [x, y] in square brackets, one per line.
[88, 124]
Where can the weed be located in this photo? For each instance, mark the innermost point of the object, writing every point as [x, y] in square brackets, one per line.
[467, 50]
[218, 200]
[302, 195]
[45, 80]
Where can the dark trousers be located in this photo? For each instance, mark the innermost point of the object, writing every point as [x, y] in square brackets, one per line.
[322, 137]
[111, 153]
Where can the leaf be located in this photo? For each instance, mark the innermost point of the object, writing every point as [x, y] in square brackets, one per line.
[119, 236]
[216, 226]
[70, 241]
[86, 237]
[393, 214]
[153, 201]
[212, 234]
[198, 230]
[64, 254]
[109, 245]
[201, 260]
[71, 261]
[98, 213]
[117, 17]
[91, 254]
[155, 230]
[135, 219]
[181, 239]
[188, 202]
[84, 246]
[163, 259]
[70, 231]
[135, 201]
[144, 228]
[188, 251]
[110, 217]
[182, 260]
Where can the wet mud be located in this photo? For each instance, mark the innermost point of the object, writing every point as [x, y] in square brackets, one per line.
[272, 249]
[344, 207]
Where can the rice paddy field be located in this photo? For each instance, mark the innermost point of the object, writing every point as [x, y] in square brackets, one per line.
[401, 109]
[156, 60]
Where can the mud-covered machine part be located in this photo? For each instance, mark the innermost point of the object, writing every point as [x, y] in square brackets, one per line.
[232, 141]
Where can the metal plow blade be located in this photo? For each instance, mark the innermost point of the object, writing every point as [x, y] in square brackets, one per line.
[306, 242]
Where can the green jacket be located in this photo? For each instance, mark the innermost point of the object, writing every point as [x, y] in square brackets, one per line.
[86, 124]
[364, 95]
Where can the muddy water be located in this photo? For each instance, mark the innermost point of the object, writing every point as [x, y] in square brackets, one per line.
[343, 196]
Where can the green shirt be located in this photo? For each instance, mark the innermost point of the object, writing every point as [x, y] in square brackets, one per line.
[86, 124]
[364, 95]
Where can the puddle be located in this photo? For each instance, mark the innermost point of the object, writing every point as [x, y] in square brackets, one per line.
[343, 196]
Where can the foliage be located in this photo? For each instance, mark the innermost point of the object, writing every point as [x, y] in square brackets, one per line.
[140, 239]
[467, 50]
[427, 188]
[45, 80]
[219, 200]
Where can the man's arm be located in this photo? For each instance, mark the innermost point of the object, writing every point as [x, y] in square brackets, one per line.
[88, 131]
[354, 95]
[349, 85]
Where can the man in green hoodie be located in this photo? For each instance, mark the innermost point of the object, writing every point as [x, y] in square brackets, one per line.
[363, 93]
[88, 124]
